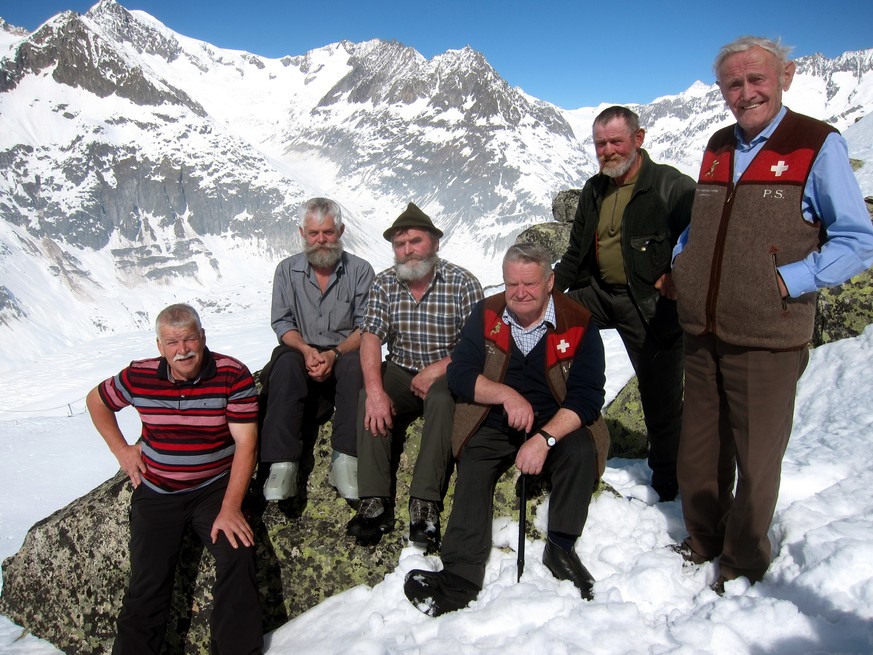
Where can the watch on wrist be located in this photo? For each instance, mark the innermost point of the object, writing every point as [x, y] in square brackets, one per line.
[336, 352]
[550, 440]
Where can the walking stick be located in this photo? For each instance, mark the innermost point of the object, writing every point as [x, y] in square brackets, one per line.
[522, 521]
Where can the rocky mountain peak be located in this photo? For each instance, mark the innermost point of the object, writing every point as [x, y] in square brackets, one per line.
[12, 29]
[119, 25]
[80, 56]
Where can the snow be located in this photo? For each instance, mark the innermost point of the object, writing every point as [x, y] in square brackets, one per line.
[817, 596]
[859, 137]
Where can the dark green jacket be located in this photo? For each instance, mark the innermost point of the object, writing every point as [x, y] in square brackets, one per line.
[658, 212]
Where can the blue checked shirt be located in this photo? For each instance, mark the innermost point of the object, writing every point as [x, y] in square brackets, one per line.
[526, 339]
[421, 333]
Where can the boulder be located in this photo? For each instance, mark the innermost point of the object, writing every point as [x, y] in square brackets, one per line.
[845, 310]
[66, 583]
[555, 236]
[627, 428]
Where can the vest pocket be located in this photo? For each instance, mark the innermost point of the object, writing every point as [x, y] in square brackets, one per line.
[776, 281]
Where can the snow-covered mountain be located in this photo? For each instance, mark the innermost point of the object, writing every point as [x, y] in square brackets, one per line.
[138, 165]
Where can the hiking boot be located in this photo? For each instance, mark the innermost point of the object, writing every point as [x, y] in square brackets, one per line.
[438, 592]
[424, 522]
[343, 475]
[689, 557]
[374, 518]
[282, 482]
[565, 565]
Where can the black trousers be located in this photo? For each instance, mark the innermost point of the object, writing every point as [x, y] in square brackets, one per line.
[291, 389]
[659, 366]
[489, 453]
[157, 524]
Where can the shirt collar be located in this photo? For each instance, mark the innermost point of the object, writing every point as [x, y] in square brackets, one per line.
[548, 317]
[207, 371]
[765, 133]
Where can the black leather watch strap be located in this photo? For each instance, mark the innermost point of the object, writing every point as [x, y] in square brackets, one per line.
[550, 439]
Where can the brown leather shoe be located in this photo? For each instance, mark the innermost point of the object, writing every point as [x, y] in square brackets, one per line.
[688, 555]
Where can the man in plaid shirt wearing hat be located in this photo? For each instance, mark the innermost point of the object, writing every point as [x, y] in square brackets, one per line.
[417, 307]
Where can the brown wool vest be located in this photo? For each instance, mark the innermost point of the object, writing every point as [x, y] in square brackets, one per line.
[726, 275]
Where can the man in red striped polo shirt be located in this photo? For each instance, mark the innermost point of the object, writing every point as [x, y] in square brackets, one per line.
[192, 465]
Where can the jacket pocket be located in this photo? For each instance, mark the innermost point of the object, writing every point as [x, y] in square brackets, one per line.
[650, 257]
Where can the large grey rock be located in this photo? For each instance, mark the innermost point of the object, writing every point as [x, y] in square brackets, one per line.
[555, 236]
[627, 428]
[845, 310]
[66, 583]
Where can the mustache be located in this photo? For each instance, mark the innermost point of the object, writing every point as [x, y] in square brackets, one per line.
[412, 258]
[183, 356]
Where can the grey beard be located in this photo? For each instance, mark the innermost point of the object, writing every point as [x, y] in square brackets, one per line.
[324, 256]
[622, 168]
[415, 269]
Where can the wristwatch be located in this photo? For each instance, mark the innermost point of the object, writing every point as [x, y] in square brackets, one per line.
[550, 440]
[336, 352]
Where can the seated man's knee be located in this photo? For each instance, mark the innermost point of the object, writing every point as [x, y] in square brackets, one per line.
[439, 396]
[289, 368]
[578, 446]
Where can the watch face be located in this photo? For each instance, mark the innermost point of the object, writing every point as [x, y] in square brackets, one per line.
[551, 441]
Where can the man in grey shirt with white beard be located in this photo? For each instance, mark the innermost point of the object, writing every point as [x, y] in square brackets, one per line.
[319, 296]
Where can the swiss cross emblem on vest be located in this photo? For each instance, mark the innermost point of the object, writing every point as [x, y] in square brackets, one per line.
[561, 347]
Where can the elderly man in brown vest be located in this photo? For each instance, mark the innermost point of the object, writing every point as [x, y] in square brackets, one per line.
[530, 362]
[777, 215]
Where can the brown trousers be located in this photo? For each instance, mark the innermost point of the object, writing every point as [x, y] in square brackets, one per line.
[739, 407]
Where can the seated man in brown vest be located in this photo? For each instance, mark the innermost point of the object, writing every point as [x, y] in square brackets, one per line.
[529, 362]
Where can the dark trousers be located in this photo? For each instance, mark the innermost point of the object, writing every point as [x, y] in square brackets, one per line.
[157, 524]
[739, 407]
[435, 454]
[292, 391]
[658, 366]
[489, 453]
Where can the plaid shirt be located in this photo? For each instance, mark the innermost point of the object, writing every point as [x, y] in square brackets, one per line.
[421, 333]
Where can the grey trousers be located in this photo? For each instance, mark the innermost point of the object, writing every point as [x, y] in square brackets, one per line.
[435, 455]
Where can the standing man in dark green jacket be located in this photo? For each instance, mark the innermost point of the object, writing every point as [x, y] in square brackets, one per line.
[617, 265]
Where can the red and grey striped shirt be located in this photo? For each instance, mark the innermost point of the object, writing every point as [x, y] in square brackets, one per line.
[186, 442]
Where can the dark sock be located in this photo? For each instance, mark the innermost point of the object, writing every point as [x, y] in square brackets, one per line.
[563, 540]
